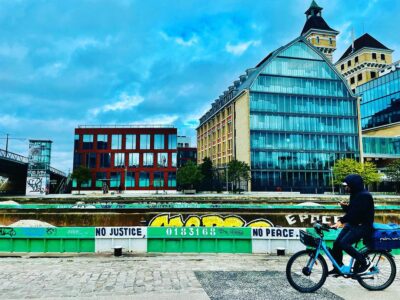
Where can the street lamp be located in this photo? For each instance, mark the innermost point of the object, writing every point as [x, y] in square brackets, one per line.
[331, 173]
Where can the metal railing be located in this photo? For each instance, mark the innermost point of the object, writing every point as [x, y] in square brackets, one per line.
[13, 156]
[127, 126]
[58, 172]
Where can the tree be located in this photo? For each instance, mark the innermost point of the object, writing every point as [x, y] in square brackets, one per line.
[81, 174]
[206, 169]
[189, 176]
[347, 166]
[393, 173]
[238, 171]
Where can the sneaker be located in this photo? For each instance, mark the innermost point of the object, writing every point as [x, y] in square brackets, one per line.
[333, 272]
[361, 266]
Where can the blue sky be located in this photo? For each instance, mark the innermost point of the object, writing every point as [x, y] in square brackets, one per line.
[67, 63]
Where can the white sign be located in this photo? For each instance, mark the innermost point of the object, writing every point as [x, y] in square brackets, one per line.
[121, 232]
[277, 233]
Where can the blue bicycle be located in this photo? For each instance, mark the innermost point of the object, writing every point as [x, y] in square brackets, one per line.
[307, 270]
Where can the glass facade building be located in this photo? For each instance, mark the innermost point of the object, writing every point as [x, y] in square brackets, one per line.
[380, 103]
[383, 147]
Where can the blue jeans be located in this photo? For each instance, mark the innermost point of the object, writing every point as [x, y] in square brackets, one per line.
[349, 235]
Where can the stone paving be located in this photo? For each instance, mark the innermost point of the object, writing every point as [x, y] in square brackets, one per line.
[148, 276]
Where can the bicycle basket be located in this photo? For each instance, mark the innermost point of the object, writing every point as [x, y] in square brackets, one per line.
[308, 239]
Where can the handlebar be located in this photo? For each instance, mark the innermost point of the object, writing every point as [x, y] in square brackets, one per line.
[319, 226]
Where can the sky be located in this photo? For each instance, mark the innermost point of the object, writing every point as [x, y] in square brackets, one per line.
[86, 62]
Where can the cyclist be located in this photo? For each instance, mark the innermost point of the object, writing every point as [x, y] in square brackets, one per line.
[358, 223]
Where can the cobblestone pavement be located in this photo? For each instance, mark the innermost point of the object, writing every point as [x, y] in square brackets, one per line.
[166, 276]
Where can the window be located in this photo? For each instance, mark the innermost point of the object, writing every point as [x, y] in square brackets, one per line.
[102, 140]
[359, 77]
[76, 142]
[158, 179]
[119, 160]
[172, 141]
[173, 163]
[116, 140]
[133, 160]
[330, 41]
[317, 39]
[91, 160]
[148, 159]
[87, 141]
[382, 56]
[171, 179]
[159, 141]
[349, 63]
[356, 59]
[162, 160]
[130, 179]
[342, 67]
[352, 80]
[144, 179]
[373, 74]
[130, 141]
[373, 55]
[100, 179]
[105, 159]
[145, 141]
[115, 181]
[77, 159]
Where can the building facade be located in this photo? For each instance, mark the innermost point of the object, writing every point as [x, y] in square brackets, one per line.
[363, 60]
[290, 118]
[185, 151]
[127, 157]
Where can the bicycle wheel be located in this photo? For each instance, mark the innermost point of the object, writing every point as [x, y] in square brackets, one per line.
[381, 273]
[301, 276]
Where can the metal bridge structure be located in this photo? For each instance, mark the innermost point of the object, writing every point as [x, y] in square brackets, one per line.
[13, 173]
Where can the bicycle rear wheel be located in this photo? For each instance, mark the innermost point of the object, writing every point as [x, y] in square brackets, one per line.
[381, 272]
[304, 277]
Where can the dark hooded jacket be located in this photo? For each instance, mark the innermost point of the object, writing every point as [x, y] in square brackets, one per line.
[361, 206]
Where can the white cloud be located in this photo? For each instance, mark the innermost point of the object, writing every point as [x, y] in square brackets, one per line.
[157, 120]
[125, 102]
[179, 40]
[186, 89]
[240, 48]
[13, 51]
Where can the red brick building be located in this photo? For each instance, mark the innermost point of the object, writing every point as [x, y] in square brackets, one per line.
[127, 157]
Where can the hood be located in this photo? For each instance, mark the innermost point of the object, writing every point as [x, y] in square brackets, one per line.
[355, 183]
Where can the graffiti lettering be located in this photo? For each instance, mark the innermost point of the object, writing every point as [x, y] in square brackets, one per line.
[207, 221]
[7, 232]
[35, 184]
[293, 219]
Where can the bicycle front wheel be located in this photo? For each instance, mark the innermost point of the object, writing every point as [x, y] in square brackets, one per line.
[381, 272]
[304, 275]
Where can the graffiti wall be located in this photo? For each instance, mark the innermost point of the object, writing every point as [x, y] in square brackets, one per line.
[38, 179]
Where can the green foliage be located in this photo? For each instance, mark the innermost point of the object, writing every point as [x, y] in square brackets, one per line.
[81, 174]
[189, 176]
[347, 166]
[206, 169]
[393, 173]
[238, 171]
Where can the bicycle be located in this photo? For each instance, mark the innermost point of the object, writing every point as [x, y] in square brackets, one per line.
[307, 270]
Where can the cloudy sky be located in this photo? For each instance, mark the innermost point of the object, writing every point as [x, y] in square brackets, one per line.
[68, 63]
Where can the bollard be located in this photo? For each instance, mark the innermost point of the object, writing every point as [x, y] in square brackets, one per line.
[280, 251]
[117, 251]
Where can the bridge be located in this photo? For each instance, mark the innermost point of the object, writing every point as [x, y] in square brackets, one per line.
[13, 173]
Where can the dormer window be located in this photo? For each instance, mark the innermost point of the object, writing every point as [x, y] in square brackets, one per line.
[330, 41]
[317, 39]
[382, 56]
[373, 55]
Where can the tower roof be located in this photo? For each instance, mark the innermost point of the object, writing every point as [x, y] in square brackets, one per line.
[364, 41]
[315, 20]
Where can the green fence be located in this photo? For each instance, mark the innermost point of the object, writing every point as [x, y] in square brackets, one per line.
[54, 239]
[199, 239]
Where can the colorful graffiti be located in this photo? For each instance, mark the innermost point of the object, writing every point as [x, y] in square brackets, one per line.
[164, 220]
[310, 219]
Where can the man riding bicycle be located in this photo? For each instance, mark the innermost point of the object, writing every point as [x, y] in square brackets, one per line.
[358, 223]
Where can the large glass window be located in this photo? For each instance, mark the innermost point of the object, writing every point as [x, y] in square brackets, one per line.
[133, 160]
[87, 141]
[158, 179]
[171, 179]
[159, 141]
[130, 179]
[77, 159]
[102, 140]
[145, 141]
[119, 160]
[130, 141]
[144, 179]
[100, 179]
[116, 141]
[172, 141]
[173, 160]
[148, 160]
[162, 160]
[91, 160]
[115, 179]
[105, 159]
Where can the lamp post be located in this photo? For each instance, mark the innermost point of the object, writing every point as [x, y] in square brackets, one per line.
[226, 177]
[126, 169]
[331, 173]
